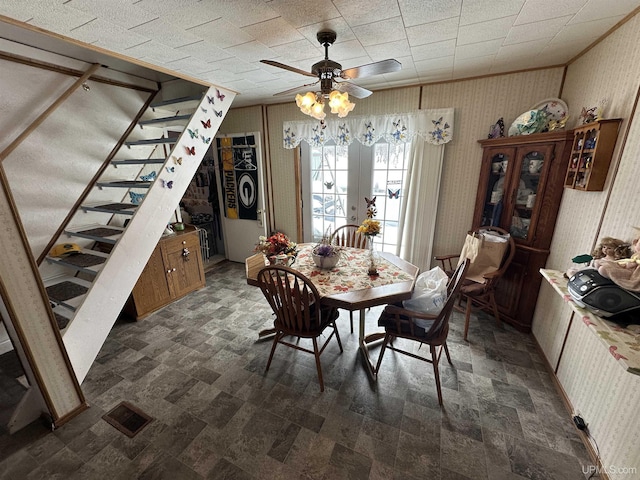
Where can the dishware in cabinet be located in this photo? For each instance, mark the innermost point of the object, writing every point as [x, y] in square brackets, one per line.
[530, 189]
[591, 155]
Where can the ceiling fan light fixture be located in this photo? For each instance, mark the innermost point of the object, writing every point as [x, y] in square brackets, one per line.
[306, 102]
[317, 110]
[340, 104]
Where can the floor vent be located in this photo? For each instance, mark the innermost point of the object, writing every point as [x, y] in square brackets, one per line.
[127, 418]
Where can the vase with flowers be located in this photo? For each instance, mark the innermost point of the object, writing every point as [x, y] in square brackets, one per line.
[278, 248]
[326, 255]
[370, 228]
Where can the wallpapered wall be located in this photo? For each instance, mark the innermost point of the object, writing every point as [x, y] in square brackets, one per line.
[590, 80]
[598, 387]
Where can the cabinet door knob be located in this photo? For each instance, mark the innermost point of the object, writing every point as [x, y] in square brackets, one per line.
[173, 269]
[184, 242]
[169, 271]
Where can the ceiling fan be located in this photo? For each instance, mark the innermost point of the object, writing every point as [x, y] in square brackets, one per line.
[330, 74]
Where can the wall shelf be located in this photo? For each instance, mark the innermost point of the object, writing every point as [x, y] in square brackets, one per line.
[591, 155]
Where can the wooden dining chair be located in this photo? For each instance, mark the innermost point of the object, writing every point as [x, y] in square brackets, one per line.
[481, 294]
[296, 304]
[348, 236]
[431, 330]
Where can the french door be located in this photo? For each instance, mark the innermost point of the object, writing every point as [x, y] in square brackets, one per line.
[338, 180]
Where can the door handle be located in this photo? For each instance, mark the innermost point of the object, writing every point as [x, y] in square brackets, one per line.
[259, 217]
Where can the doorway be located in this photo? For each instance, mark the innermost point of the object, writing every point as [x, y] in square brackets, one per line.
[337, 180]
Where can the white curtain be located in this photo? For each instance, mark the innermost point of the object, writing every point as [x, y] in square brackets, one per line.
[428, 131]
[420, 204]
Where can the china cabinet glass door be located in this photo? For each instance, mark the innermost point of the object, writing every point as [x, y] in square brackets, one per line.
[497, 184]
[531, 169]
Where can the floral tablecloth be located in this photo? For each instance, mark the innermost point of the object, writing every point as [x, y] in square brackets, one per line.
[350, 274]
[623, 343]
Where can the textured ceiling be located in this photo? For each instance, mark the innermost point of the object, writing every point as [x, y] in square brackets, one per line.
[222, 41]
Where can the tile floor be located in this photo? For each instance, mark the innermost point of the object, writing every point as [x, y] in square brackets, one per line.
[198, 369]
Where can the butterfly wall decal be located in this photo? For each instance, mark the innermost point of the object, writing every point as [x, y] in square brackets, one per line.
[497, 129]
[206, 124]
[191, 150]
[167, 184]
[193, 133]
[203, 109]
[371, 207]
[150, 177]
[329, 185]
[136, 198]
[205, 139]
[218, 113]
[219, 95]
[171, 169]
[393, 194]
[177, 160]
[211, 99]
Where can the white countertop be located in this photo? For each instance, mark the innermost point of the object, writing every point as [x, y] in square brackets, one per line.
[623, 343]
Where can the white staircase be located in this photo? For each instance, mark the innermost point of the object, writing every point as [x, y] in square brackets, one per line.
[125, 215]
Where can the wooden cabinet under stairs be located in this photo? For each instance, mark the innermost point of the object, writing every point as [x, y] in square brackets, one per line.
[174, 269]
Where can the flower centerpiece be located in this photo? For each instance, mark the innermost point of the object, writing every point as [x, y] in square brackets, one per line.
[278, 248]
[370, 228]
[325, 254]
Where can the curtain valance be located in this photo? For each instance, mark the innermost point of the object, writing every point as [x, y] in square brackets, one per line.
[435, 126]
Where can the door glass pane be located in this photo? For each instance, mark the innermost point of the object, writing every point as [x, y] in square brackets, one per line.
[329, 169]
[532, 164]
[389, 173]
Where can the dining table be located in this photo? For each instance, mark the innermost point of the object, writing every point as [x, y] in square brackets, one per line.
[348, 285]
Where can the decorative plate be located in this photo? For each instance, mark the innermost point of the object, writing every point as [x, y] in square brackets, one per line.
[532, 121]
[556, 109]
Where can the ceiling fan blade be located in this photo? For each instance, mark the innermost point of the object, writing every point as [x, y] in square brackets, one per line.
[287, 67]
[376, 68]
[353, 90]
[295, 89]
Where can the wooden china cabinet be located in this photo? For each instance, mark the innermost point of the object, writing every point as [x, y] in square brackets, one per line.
[520, 188]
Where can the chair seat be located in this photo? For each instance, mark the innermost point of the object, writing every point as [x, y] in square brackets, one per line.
[328, 315]
[390, 326]
[469, 287]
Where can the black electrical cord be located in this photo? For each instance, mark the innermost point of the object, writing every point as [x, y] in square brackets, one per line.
[582, 426]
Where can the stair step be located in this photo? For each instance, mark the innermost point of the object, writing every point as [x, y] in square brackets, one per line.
[98, 233]
[67, 291]
[125, 184]
[176, 120]
[113, 208]
[87, 261]
[63, 316]
[139, 161]
[181, 103]
[150, 141]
